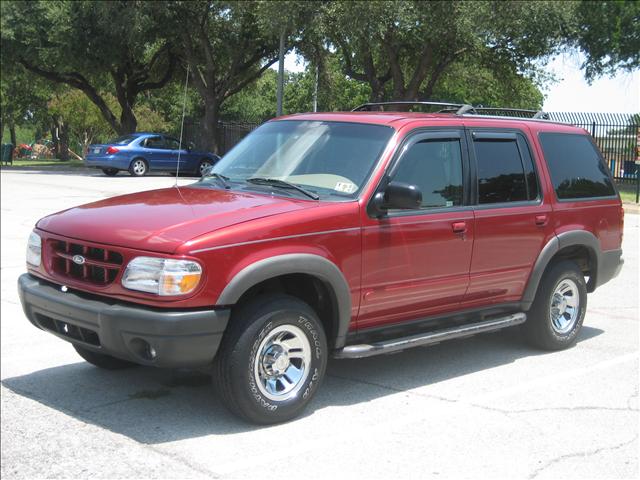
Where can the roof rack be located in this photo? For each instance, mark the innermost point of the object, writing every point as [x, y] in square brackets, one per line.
[368, 107]
[461, 109]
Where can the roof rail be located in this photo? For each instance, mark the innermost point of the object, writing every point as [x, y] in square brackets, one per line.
[460, 109]
[367, 107]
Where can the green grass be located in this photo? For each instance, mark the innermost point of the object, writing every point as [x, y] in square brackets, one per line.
[47, 162]
[627, 192]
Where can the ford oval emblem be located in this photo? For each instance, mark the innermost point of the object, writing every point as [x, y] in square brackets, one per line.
[78, 259]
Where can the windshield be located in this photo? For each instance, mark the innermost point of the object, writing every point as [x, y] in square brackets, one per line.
[124, 140]
[327, 158]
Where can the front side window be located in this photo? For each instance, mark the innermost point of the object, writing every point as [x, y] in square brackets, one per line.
[154, 142]
[172, 143]
[505, 171]
[576, 168]
[332, 158]
[435, 167]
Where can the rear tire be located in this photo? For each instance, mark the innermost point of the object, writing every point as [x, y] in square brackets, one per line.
[110, 172]
[138, 167]
[103, 361]
[272, 359]
[557, 313]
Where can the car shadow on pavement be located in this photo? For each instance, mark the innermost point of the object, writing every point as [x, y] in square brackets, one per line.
[155, 406]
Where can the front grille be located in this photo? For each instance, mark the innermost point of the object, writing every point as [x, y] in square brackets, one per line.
[68, 330]
[100, 266]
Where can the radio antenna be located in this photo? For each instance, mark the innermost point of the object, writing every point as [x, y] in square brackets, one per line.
[184, 105]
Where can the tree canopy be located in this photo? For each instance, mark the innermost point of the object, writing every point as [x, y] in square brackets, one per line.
[124, 63]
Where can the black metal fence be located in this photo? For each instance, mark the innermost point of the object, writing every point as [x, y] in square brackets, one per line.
[229, 133]
[616, 134]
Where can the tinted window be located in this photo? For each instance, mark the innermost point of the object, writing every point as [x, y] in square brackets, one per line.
[172, 143]
[500, 172]
[576, 168]
[435, 167]
[154, 142]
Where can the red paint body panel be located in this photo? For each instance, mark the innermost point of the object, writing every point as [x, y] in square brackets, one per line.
[397, 268]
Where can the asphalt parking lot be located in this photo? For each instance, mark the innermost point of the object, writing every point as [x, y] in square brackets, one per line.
[484, 407]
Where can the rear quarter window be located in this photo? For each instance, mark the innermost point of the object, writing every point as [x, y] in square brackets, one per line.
[576, 167]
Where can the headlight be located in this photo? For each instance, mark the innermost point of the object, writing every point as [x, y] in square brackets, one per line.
[34, 250]
[162, 276]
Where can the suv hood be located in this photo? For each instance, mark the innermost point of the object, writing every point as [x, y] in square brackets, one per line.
[161, 220]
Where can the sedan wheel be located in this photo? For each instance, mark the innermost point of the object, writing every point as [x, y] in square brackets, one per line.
[204, 165]
[138, 168]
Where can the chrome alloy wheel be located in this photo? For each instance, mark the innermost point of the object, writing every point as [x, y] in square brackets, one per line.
[282, 363]
[139, 167]
[565, 306]
[203, 166]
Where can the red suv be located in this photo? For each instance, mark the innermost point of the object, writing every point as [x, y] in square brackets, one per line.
[334, 234]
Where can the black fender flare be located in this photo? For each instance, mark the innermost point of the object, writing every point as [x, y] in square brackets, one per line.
[310, 264]
[566, 239]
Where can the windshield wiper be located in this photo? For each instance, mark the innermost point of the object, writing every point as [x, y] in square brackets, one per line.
[222, 179]
[276, 182]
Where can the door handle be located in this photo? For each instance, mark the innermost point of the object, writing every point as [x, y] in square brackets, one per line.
[541, 220]
[459, 227]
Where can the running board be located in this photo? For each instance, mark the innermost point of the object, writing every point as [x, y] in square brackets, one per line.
[424, 339]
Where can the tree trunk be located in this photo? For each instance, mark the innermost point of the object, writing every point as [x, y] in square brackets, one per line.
[128, 121]
[12, 132]
[210, 128]
[62, 139]
[54, 140]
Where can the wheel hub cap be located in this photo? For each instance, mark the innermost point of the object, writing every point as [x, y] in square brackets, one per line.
[565, 306]
[282, 363]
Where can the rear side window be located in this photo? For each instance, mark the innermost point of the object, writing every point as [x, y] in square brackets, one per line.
[576, 168]
[505, 169]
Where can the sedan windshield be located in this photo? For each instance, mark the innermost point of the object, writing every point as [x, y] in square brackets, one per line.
[325, 158]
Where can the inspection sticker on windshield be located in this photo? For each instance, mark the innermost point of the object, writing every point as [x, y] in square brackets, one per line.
[346, 187]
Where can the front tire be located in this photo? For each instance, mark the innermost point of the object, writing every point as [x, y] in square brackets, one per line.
[101, 360]
[272, 359]
[110, 172]
[204, 164]
[138, 167]
[557, 313]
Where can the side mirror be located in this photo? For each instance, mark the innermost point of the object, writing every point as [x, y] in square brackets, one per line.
[397, 195]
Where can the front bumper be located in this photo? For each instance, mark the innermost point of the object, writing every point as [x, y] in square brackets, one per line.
[179, 338]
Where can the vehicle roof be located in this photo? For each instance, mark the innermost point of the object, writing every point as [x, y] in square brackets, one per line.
[398, 120]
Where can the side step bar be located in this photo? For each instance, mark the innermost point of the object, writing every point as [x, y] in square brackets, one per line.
[430, 338]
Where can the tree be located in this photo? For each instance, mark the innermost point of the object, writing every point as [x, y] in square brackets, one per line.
[93, 47]
[403, 49]
[226, 45]
[84, 122]
[608, 33]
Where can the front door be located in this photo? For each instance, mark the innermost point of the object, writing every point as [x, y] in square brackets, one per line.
[416, 263]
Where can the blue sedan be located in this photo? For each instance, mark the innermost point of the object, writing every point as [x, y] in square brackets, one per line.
[140, 153]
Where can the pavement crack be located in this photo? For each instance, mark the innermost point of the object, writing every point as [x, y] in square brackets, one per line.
[587, 453]
[393, 389]
[546, 409]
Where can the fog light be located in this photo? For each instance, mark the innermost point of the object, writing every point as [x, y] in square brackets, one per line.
[151, 352]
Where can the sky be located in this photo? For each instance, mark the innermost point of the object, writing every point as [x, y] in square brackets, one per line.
[571, 92]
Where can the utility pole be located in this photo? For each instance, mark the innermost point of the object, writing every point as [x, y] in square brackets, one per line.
[315, 90]
[280, 87]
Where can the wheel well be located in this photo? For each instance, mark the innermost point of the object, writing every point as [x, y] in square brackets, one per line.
[311, 290]
[584, 257]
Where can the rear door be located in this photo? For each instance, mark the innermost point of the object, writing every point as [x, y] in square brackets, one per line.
[416, 262]
[512, 219]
